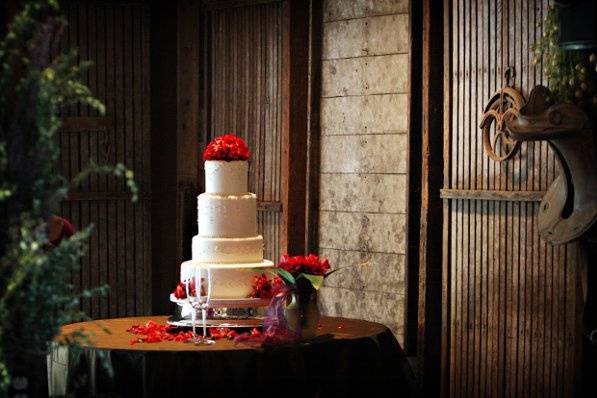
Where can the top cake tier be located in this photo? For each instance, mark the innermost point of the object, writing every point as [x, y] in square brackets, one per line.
[225, 178]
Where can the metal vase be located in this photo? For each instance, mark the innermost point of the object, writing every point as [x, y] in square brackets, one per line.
[302, 312]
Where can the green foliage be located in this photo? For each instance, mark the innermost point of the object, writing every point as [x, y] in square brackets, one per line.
[285, 275]
[36, 297]
[571, 75]
[316, 281]
[118, 171]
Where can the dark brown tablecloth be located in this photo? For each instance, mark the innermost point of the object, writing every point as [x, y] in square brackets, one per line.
[349, 357]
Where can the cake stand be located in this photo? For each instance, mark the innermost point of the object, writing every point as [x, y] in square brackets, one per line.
[231, 313]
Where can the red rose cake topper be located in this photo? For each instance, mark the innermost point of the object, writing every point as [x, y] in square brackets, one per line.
[227, 147]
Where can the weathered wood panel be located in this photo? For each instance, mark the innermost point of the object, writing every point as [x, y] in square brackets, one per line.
[113, 36]
[242, 84]
[512, 306]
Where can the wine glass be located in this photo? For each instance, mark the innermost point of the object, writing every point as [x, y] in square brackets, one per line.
[203, 294]
[191, 289]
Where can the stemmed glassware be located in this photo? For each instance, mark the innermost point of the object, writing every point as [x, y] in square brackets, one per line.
[191, 287]
[203, 274]
[199, 299]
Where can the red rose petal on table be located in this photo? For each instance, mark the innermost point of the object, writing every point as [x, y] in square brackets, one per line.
[155, 333]
[255, 332]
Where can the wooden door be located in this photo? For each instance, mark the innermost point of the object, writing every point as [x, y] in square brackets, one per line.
[512, 305]
[240, 65]
[115, 38]
[242, 93]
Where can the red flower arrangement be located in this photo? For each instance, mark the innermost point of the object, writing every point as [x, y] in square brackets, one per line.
[227, 147]
[310, 264]
[293, 313]
[289, 270]
[294, 268]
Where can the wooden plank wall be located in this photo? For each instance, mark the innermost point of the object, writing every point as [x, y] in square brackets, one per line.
[512, 309]
[115, 37]
[242, 86]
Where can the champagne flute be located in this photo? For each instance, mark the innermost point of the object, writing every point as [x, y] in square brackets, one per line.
[193, 300]
[203, 290]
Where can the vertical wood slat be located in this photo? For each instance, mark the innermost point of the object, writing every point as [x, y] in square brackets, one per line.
[110, 36]
[94, 255]
[100, 92]
[476, 178]
[83, 110]
[137, 54]
[111, 158]
[468, 362]
[451, 208]
[73, 139]
[119, 148]
[429, 303]
[146, 270]
[129, 135]
[512, 310]
[188, 45]
[243, 81]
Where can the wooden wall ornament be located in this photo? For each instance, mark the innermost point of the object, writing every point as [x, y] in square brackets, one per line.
[568, 210]
[511, 301]
[569, 207]
[502, 107]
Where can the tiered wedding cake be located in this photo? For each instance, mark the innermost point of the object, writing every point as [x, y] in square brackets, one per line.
[228, 241]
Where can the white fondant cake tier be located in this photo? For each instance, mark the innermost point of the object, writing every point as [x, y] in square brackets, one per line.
[227, 250]
[222, 177]
[229, 281]
[228, 240]
[227, 216]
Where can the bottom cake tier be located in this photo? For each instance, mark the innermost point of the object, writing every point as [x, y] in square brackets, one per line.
[229, 281]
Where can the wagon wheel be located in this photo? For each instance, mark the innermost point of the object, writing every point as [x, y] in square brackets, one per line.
[503, 107]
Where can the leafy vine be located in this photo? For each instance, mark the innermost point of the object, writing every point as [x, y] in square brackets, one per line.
[571, 75]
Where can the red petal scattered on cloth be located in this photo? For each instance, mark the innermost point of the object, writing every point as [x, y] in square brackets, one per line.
[152, 332]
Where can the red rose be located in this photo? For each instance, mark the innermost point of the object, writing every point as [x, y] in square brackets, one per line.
[265, 288]
[291, 264]
[180, 291]
[227, 147]
[58, 229]
[315, 266]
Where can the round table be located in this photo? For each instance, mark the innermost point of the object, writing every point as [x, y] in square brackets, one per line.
[348, 356]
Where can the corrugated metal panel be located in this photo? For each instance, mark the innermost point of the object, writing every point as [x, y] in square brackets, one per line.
[512, 301]
[243, 82]
[114, 37]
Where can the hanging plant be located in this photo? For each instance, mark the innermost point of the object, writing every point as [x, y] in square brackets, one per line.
[36, 296]
[571, 74]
